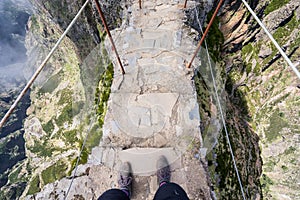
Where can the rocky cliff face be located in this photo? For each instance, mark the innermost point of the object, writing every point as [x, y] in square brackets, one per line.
[265, 91]
[243, 139]
[62, 98]
[261, 101]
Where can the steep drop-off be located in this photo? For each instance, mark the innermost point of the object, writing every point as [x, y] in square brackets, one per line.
[265, 92]
[63, 97]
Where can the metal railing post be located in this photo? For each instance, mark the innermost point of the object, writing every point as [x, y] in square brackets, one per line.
[205, 33]
[109, 35]
[185, 3]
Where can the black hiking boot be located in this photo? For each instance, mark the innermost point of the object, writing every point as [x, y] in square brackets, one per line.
[125, 178]
[163, 170]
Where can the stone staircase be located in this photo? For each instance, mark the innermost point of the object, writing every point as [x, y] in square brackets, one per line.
[153, 108]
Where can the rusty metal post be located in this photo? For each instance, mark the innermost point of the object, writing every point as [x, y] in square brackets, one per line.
[140, 4]
[205, 33]
[185, 3]
[109, 35]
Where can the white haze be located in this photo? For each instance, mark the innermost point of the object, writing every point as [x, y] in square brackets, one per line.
[13, 18]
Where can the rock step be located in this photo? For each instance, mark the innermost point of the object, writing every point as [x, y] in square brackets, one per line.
[143, 160]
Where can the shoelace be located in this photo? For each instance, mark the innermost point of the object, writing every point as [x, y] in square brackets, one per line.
[125, 182]
[164, 174]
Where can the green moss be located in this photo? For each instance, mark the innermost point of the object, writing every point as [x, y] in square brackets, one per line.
[68, 112]
[257, 69]
[265, 183]
[248, 68]
[34, 186]
[66, 115]
[203, 99]
[50, 85]
[215, 38]
[284, 168]
[70, 137]
[103, 92]
[276, 125]
[65, 96]
[228, 182]
[274, 5]
[48, 127]
[101, 98]
[41, 148]
[102, 33]
[246, 50]
[290, 150]
[269, 166]
[282, 33]
[83, 158]
[54, 172]
[14, 176]
[250, 52]
[94, 137]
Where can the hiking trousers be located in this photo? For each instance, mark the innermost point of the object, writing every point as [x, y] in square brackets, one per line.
[168, 191]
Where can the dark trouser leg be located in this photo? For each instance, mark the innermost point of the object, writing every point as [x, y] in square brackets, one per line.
[114, 194]
[170, 191]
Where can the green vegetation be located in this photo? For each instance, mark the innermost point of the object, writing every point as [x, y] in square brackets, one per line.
[284, 168]
[83, 158]
[269, 166]
[215, 38]
[250, 52]
[34, 186]
[66, 115]
[101, 98]
[34, 23]
[274, 5]
[94, 137]
[68, 112]
[290, 150]
[265, 183]
[238, 96]
[65, 96]
[48, 127]
[203, 98]
[282, 33]
[276, 125]
[14, 176]
[228, 182]
[54, 172]
[103, 92]
[50, 85]
[241, 136]
[42, 148]
[70, 137]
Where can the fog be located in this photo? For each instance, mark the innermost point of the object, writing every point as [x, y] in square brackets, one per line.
[14, 15]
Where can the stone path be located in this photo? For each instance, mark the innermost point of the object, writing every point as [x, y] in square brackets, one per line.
[152, 110]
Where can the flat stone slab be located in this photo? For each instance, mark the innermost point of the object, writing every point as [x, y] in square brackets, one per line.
[142, 115]
[143, 160]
